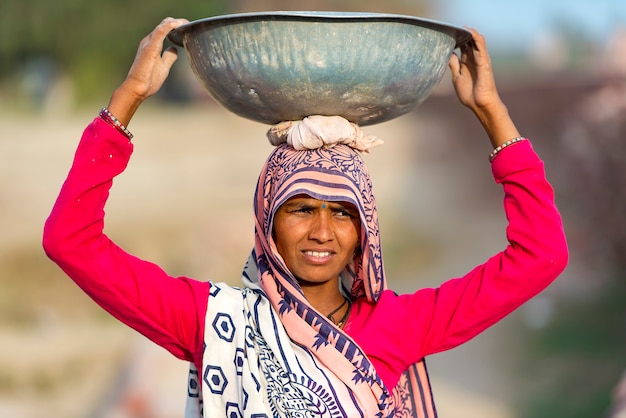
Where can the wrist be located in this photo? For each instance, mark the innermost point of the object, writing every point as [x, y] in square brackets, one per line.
[497, 123]
[124, 103]
[109, 118]
[489, 114]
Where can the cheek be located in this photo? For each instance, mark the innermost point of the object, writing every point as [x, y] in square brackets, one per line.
[285, 233]
[358, 233]
[278, 238]
[352, 236]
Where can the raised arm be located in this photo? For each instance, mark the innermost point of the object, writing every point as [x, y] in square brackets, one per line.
[438, 319]
[536, 253]
[168, 310]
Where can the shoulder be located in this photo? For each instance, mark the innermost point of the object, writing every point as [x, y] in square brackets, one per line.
[223, 296]
[389, 303]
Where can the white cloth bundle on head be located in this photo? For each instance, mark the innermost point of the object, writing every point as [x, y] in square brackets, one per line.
[321, 131]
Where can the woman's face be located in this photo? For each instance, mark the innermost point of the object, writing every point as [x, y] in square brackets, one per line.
[316, 239]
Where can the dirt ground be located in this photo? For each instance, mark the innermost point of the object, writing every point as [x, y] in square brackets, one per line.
[185, 203]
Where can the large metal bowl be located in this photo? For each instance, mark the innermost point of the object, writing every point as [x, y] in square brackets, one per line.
[277, 66]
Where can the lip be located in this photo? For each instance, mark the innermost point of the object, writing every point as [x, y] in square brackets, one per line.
[318, 256]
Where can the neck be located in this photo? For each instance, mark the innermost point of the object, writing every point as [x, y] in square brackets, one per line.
[324, 297]
[327, 300]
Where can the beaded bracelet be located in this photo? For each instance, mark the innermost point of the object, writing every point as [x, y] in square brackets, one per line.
[114, 122]
[499, 148]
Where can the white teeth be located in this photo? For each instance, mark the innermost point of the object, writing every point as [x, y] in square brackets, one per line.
[318, 254]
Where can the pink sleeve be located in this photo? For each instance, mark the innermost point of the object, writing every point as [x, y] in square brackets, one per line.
[434, 320]
[170, 311]
[535, 255]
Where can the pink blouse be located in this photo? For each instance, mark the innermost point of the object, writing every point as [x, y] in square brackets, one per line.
[171, 310]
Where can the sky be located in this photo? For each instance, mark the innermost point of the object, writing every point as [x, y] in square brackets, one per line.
[515, 24]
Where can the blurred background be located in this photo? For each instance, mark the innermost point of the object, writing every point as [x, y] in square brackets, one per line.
[185, 202]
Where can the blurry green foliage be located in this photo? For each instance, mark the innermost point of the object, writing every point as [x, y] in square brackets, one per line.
[577, 360]
[92, 42]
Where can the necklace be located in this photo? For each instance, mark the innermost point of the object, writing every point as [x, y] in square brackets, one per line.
[343, 319]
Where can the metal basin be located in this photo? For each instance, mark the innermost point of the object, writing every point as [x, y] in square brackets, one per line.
[277, 66]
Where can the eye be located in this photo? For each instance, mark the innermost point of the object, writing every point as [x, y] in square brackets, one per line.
[346, 213]
[302, 209]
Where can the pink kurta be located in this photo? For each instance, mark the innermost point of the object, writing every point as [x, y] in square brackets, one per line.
[171, 311]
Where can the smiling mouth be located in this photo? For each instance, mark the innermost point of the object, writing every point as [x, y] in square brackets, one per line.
[318, 254]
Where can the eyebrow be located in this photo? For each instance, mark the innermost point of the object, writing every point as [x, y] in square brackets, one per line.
[305, 202]
[297, 203]
[342, 206]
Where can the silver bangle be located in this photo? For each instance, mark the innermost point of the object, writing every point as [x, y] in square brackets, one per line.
[499, 148]
[113, 121]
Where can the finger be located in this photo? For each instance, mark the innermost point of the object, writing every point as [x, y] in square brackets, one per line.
[469, 56]
[168, 24]
[170, 55]
[472, 42]
[157, 37]
[481, 55]
[152, 44]
[454, 64]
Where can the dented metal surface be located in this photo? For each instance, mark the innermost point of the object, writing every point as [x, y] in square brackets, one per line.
[271, 67]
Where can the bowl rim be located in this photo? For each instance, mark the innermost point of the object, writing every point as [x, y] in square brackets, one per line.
[460, 34]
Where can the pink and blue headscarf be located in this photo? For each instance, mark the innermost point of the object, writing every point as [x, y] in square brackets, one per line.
[335, 173]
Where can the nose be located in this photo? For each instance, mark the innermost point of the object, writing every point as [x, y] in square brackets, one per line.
[321, 228]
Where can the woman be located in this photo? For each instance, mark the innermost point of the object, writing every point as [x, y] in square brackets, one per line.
[313, 331]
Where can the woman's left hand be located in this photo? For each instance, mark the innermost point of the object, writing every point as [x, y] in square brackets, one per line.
[472, 75]
[475, 86]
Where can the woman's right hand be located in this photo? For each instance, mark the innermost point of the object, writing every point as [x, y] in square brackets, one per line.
[148, 73]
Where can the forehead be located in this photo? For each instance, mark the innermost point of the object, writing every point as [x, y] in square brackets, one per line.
[307, 199]
[316, 197]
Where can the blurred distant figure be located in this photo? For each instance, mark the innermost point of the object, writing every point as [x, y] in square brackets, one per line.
[614, 63]
[38, 77]
[618, 409]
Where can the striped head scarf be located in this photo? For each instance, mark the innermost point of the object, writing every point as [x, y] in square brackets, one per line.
[335, 173]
